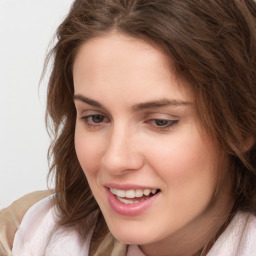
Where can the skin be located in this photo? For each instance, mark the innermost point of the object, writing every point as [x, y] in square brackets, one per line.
[122, 141]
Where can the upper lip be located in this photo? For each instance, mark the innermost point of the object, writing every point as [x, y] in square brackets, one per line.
[127, 186]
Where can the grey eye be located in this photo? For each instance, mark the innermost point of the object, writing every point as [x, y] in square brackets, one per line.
[97, 118]
[160, 122]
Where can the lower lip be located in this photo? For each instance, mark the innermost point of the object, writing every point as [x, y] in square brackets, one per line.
[130, 209]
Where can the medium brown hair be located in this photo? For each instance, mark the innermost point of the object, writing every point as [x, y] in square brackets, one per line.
[212, 45]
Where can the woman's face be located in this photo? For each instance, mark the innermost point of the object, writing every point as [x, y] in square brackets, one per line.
[150, 166]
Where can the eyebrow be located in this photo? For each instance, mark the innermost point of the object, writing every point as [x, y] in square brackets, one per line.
[88, 101]
[140, 106]
[160, 103]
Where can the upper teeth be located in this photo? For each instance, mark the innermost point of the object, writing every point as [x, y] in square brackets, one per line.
[132, 193]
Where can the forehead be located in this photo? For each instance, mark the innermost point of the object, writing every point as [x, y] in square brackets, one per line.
[126, 65]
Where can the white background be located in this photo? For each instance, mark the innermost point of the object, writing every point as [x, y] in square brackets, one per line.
[26, 29]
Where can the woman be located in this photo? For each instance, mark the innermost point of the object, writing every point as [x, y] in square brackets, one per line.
[154, 113]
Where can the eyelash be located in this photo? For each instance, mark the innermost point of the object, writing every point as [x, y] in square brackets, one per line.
[166, 123]
[88, 120]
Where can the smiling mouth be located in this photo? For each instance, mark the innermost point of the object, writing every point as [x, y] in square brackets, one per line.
[133, 196]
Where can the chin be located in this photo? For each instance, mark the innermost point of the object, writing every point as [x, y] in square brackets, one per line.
[132, 237]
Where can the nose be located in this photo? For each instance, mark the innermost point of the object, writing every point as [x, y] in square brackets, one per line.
[122, 152]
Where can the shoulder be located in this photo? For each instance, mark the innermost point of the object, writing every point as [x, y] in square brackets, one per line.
[11, 217]
[239, 238]
[41, 234]
[248, 239]
[30, 225]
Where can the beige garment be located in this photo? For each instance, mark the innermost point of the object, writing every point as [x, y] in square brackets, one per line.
[11, 217]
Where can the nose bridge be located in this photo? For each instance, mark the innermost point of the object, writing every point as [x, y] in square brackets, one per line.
[121, 152]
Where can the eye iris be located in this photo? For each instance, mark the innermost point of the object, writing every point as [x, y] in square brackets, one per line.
[97, 118]
[162, 122]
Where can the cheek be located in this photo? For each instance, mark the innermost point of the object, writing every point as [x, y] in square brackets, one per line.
[186, 161]
[187, 166]
[88, 149]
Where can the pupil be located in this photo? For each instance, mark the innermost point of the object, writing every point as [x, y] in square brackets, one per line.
[161, 122]
[97, 118]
